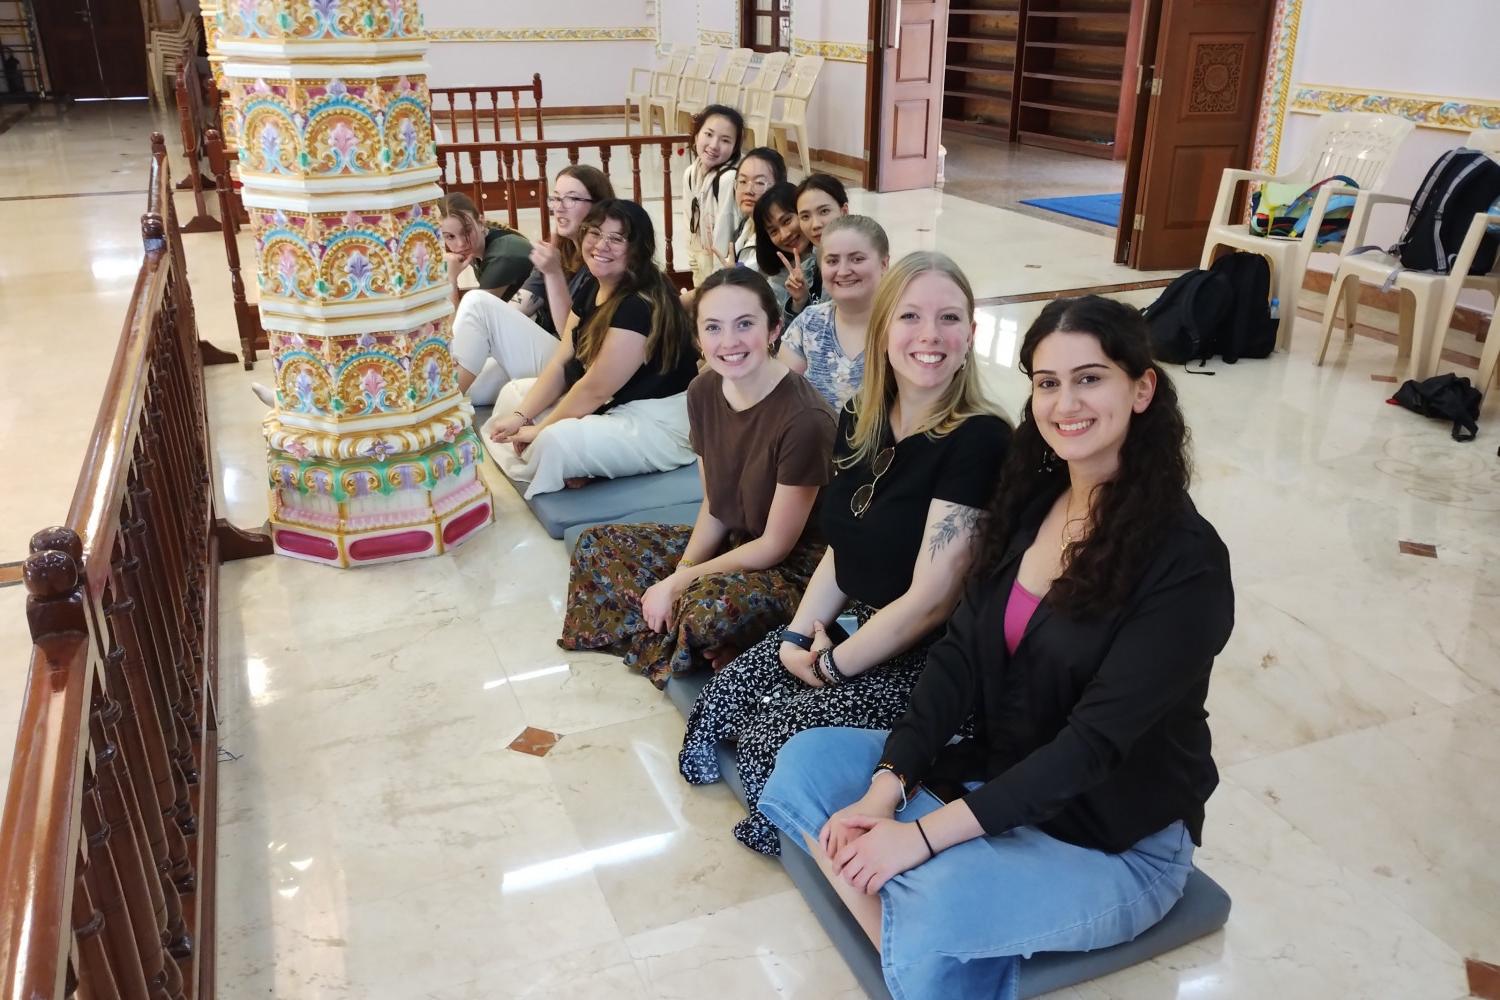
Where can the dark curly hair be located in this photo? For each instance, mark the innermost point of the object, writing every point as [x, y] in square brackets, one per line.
[1132, 512]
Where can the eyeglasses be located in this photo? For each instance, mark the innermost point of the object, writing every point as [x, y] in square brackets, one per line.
[745, 183]
[862, 496]
[570, 200]
[613, 241]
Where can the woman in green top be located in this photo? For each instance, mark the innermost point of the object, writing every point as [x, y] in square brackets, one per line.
[500, 256]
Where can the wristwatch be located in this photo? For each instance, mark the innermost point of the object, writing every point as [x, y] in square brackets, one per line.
[796, 639]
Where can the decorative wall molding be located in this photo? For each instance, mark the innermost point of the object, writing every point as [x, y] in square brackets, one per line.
[577, 34]
[724, 38]
[854, 52]
[1427, 110]
[1273, 100]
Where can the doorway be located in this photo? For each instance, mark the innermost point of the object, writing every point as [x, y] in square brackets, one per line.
[94, 48]
[1040, 104]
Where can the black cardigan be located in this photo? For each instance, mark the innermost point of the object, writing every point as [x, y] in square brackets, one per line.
[1095, 731]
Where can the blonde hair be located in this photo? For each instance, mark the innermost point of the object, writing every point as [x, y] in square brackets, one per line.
[872, 406]
[866, 227]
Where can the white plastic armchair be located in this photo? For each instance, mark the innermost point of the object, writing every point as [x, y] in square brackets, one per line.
[698, 94]
[766, 76]
[644, 83]
[792, 117]
[758, 99]
[1359, 146]
[1427, 298]
[696, 73]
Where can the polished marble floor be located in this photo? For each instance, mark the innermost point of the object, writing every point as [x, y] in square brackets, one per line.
[379, 840]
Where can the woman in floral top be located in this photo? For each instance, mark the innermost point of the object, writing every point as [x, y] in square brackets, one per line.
[826, 342]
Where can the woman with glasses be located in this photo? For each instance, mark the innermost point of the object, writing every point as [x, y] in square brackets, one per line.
[1082, 650]
[610, 399]
[760, 170]
[493, 340]
[916, 457]
[558, 265]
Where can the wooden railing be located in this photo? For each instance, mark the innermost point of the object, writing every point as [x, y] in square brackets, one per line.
[494, 175]
[459, 106]
[107, 846]
[192, 117]
[246, 316]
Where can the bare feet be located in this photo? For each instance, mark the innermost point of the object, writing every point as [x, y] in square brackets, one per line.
[577, 482]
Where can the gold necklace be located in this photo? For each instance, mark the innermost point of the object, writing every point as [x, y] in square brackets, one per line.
[1068, 521]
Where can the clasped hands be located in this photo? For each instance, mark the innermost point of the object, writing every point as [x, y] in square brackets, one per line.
[513, 429]
[866, 845]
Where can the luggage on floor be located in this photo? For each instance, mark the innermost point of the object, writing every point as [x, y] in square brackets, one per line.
[1447, 397]
[1224, 310]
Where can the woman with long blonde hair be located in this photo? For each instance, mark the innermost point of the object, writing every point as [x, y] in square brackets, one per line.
[916, 456]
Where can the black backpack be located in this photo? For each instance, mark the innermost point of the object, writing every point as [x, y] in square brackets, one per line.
[1223, 310]
[1462, 183]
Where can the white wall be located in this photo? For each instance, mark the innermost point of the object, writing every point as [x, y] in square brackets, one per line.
[1444, 49]
[598, 72]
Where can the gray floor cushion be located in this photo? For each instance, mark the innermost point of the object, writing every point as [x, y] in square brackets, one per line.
[613, 499]
[682, 513]
[1203, 909]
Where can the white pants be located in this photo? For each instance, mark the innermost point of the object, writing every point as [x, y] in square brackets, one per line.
[498, 343]
[648, 435]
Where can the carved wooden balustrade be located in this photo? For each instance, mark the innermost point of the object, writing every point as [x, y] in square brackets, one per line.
[192, 117]
[494, 175]
[246, 316]
[107, 840]
[457, 107]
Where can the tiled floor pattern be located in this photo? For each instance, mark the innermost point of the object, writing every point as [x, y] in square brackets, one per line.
[379, 839]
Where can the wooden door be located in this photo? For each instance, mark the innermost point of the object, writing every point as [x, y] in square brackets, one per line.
[94, 48]
[1204, 94]
[913, 46]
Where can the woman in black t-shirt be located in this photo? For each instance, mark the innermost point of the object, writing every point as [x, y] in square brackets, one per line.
[916, 458]
[610, 401]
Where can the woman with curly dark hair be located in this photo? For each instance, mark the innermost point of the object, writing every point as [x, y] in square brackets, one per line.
[1081, 650]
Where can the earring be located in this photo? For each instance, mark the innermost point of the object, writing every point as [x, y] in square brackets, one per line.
[1049, 460]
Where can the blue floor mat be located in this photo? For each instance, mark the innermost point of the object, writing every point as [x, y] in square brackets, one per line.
[1102, 208]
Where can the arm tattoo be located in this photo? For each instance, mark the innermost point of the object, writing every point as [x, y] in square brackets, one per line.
[959, 522]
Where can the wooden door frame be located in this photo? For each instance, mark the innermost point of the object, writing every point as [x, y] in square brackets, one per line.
[873, 76]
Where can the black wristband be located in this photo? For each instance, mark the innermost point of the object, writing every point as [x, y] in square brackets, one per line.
[833, 667]
[930, 852]
[803, 642]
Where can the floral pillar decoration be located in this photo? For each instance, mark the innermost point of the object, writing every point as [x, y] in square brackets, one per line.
[373, 451]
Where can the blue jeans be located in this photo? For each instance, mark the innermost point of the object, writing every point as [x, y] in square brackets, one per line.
[958, 925]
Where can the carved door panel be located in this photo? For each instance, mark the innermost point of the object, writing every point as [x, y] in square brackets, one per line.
[94, 48]
[914, 46]
[1204, 94]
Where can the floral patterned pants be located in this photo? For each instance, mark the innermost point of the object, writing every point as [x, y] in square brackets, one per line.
[614, 564]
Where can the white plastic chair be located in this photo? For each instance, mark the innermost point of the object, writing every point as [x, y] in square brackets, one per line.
[793, 115]
[764, 76]
[698, 94]
[698, 72]
[757, 100]
[1489, 359]
[1359, 146]
[1425, 314]
[657, 80]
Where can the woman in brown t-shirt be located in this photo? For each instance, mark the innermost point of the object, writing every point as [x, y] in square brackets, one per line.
[666, 596]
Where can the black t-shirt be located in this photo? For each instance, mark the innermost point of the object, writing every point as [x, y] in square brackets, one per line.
[536, 284]
[648, 382]
[874, 555]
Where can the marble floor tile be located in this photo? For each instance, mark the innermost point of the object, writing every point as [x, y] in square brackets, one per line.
[606, 972]
[1301, 928]
[1409, 807]
[620, 783]
[15, 653]
[770, 947]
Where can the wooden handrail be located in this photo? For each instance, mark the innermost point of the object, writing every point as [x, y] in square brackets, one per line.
[509, 188]
[107, 857]
[450, 96]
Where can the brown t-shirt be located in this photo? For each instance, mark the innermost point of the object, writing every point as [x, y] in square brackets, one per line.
[786, 438]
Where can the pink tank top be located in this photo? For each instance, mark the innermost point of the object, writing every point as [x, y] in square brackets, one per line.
[1019, 608]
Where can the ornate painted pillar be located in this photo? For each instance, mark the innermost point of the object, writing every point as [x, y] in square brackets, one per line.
[373, 451]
